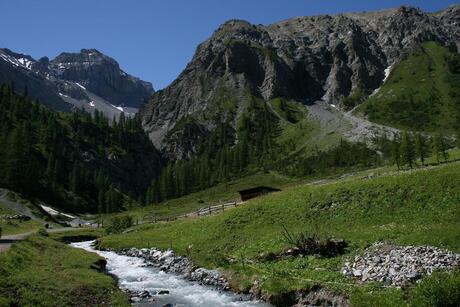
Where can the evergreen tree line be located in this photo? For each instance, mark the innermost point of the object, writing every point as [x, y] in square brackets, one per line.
[222, 158]
[221, 162]
[407, 148]
[75, 161]
[345, 155]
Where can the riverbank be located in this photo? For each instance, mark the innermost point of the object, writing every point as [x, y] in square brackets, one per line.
[42, 272]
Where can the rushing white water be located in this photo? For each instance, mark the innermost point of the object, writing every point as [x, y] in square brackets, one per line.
[134, 275]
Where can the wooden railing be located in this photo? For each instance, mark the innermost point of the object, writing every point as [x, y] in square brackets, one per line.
[200, 212]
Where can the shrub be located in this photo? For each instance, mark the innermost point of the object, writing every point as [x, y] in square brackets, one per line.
[440, 289]
[42, 232]
[119, 223]
[313, 244]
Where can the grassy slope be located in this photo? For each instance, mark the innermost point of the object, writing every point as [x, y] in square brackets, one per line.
[221, 193]
[43, 272]
[299, 133]
[419, 93]
[419, 207]
[229, 191]
[15, 226]
[295, 126]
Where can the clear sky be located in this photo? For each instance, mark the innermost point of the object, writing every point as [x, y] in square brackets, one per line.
[153, 39]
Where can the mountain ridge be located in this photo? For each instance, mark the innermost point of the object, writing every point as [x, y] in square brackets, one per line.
[307, 59]
[87, 79]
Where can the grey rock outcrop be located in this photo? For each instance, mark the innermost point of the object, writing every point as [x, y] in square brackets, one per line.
[399, 265]
[306, 59]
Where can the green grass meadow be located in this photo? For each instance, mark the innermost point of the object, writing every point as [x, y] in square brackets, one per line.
[415, 207]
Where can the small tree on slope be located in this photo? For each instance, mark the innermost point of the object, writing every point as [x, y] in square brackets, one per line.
[439, 147]
[421, 147]
[407, 150]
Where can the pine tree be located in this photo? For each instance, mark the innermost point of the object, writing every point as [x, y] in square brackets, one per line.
[149, 195]
[439, 148]
[112, 200]
[458, 138]
[18, 155]
[74, 178]
[421, 147]
[444, 152]
[407, 150]
[395, 152]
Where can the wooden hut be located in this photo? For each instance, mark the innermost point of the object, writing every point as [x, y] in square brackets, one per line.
[255, 192]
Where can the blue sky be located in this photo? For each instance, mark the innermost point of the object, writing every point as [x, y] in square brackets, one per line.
[153, 40]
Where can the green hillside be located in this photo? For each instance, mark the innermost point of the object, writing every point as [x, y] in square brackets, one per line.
[416, 207]
[421, 93]
[276, 135]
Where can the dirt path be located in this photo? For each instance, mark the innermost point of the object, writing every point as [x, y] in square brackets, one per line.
[8, 240]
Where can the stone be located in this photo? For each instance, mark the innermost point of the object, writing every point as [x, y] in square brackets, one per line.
[144, 294]
[401, 265]
[357, 273]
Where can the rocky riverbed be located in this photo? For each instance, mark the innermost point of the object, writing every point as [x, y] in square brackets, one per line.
[399, 265]
[169, 262]
[160, 278]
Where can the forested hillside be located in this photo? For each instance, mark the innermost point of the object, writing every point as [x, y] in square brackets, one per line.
[275, 135]
[75, 161]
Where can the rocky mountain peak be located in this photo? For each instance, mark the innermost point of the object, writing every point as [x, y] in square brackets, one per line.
[101, 75]
[305, 58]
[85, 57]
[88, 79]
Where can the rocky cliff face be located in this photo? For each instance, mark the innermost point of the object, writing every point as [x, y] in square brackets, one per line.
[305, 59]
[87, 79]
[102, 76]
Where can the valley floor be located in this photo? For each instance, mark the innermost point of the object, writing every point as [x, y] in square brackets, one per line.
[418, 207]
[408, 207]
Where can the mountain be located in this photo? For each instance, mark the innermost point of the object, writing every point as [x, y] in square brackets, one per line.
[243, 67]
[87, 79]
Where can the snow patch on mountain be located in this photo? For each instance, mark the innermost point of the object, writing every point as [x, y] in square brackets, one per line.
[387, 72]
[80, 85]
[120, 108]
[21, 62]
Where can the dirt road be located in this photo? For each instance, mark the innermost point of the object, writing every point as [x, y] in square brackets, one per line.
[8, 240]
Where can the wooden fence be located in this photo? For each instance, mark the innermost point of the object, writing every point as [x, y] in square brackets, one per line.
[201, 212]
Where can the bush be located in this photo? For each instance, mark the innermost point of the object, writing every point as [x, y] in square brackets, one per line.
[440, 289]
[42, 232]
[313, 245]
[119, 223]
